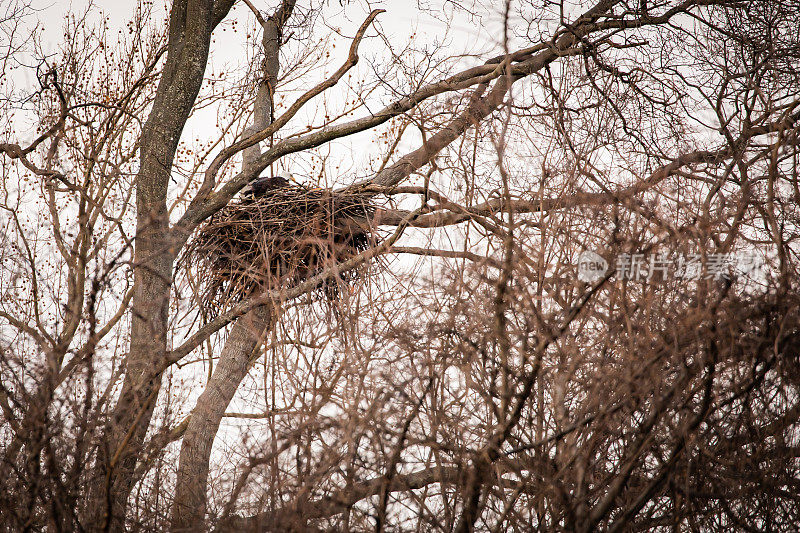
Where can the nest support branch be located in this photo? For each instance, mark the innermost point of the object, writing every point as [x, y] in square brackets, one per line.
[277, 239]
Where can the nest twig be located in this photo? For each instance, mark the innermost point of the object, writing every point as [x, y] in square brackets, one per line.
[278, 239]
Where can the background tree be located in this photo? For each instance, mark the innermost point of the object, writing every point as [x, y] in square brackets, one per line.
[471, 380]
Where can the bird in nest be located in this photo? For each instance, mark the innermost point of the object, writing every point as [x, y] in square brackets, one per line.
[260, 185]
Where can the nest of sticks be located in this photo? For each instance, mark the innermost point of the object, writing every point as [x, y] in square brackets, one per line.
[276, 240]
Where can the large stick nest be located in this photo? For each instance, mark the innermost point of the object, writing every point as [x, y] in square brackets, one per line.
[277, 239]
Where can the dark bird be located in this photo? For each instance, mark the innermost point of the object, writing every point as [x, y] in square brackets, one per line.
[259, 186]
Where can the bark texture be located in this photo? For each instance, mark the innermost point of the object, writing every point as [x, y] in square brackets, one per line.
[191, 24]
[188, 511]
[245, 338]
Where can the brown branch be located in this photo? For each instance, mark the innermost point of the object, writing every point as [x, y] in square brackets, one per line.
[341, 500]
[456, 214]
[451, 254]
[259, 17]
[391, 472]
[15, 151]
[272, 128]
[283, 294]
[492, 450]
[476, 76]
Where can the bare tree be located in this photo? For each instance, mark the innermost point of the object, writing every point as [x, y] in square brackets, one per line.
[468, 378]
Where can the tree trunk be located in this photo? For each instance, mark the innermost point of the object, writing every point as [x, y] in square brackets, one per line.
[188, 511]
[246, 336]
[191, 24]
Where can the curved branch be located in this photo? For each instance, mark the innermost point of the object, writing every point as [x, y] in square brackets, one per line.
[478, 77]
[230, 151]
[15, 151]
[284, 294]
[341, 500]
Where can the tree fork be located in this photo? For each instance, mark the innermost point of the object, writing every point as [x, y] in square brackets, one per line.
[191, 24]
